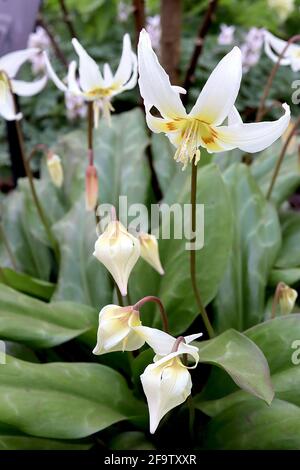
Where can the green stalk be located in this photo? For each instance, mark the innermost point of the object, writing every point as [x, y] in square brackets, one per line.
[193, 256]
[36, 201]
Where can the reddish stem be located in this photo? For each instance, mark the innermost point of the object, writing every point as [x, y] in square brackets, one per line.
[152, 298]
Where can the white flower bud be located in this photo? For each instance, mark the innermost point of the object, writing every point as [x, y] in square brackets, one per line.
[55, 169]
[119, 251]
[149, 251]
[287, 299]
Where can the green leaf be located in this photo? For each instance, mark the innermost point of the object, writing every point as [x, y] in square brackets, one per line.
[289, 276]
[163, 161]
[39, 324]
[277, 339]
[242, 360]
[289, 256]
[255, 425]
[12, 439]
[33, 256]
[50, 199]
[239, 423]
[64, 401]
[82, 278]
[274, 338]
[26, 284]
[240, 301]
[174, 288]
[288, 179]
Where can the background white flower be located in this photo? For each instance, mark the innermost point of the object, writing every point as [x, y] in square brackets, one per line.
[226, 36]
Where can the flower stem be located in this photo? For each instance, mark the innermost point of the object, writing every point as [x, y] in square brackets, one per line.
[36, 201]
[281, 157]
[90, 132]
[177, 343]
[261, 107]
[119, 295]
[193, 256]
[152, 298]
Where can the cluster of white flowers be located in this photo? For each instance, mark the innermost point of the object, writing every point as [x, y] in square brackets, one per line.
[226, 36]
[153, 28]
[40, 40]
[251, 48]
[283, 8]
[120, 328]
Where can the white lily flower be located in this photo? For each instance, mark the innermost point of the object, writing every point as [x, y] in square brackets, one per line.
[202, 127]
[149, 251]
[167, 382]
[55, 169]
[93, 86]
[119, 251]
[275, 46]
[9, 67]
[116, 330]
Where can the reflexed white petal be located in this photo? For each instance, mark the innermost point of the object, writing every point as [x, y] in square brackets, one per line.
[255, 137]
[273, 56]
[167, 384]
[7, 104]
[220, 91]
[154, 83]
[108, 76]
[189, 339]
[22, 88]
[89, 74]
[52, 74]
[295, 64]
[11, 62]
[274, 44]
[234, 117]
[73, 86]
[162, 343]
[179, 89]
[132, 81]
[125, 67]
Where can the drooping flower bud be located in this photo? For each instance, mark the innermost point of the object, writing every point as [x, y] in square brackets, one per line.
[119, 251]
[115, 331]
[55, 169]
[91, 188]
[149, 251]
[287, 298]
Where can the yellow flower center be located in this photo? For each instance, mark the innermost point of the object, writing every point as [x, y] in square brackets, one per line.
[194, 133]
[97, 93]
